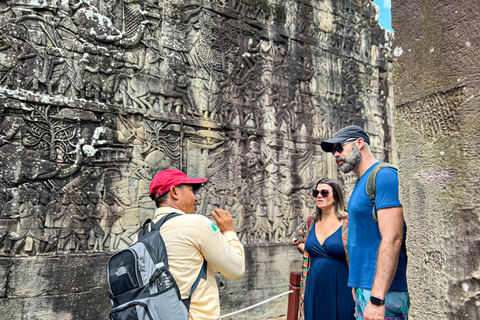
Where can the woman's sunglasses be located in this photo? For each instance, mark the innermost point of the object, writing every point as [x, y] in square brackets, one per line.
[324, 193]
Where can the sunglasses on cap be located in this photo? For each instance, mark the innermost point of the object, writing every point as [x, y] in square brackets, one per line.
[339, 146]
[324, 193]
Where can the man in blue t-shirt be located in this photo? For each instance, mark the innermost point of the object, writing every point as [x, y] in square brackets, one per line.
[378, 264]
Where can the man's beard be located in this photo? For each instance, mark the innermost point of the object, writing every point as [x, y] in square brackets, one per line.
[351, 161]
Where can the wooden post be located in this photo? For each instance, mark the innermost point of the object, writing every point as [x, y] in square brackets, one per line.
[293, 298]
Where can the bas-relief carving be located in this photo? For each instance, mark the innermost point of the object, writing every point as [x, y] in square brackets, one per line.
[436, 114]
[96, 97]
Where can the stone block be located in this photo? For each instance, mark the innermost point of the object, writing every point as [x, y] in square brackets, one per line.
[32, 277]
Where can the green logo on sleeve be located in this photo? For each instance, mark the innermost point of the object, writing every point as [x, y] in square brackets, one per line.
[214, 228]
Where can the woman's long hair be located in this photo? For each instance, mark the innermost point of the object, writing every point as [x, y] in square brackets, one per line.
[337, 198]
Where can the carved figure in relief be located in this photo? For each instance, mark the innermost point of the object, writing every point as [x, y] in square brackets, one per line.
[4, 196]
[280, 54]
[144, 87]
[8, 58]
[232, 99]
[93, 25]
[245, 219]
[279, 227]
[111, 222]
[95, 232]
[11, 206]
[29, 234]
[26, 68]
[251, 110]
[253, 156]
[270, 107]
[51, 74]
[263, 226]
[7, 232]
[284, 117]
[63, 221]
[295, 214]
[236, 211]
[291, 17]
[44, 200]
[147, 157]
[81, 224]
[51, 230]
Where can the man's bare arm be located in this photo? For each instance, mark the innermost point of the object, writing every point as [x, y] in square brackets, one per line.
[390, 224]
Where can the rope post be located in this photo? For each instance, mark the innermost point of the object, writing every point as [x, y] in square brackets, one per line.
[293, 298]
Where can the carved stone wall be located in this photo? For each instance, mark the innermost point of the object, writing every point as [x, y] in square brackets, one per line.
[96, 96]
[437, 87]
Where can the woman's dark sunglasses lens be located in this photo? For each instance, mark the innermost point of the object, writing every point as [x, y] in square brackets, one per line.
[324, 193]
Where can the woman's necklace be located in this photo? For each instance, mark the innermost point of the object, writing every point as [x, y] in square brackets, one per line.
[323, 224]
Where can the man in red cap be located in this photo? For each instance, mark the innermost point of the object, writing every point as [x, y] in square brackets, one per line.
[192, 238]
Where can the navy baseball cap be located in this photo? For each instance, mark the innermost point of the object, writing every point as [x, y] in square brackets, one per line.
[344, 134]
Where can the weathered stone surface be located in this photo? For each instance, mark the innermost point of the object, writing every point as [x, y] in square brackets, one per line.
[70, 287]
[97, 96]
[71, 274]
[437, 86]
[11, 309]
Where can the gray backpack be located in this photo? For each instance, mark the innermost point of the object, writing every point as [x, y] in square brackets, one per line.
[140, 283]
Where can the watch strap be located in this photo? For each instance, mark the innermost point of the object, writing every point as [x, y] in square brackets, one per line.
[377, 301]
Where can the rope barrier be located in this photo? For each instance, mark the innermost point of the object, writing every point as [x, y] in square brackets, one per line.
[256, 305]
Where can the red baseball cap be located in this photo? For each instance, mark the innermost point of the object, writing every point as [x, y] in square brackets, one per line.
[165, 179]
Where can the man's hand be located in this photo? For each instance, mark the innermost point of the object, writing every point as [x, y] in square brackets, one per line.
[373, 312]
[224, 220]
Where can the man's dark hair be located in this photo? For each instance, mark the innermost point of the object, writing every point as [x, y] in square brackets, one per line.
[163, 198]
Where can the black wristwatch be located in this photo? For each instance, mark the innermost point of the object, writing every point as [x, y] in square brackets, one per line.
[377, 301]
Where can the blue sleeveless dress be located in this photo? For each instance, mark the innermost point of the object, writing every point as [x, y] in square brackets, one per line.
[327, 296]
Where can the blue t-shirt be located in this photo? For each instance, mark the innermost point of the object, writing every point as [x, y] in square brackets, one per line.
[363, 233]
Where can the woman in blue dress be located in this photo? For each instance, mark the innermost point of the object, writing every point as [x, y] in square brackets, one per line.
[327, 296]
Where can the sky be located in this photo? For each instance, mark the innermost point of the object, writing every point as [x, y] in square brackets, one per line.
[385, 19]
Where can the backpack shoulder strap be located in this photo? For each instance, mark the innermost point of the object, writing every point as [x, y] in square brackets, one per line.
[371, 184]
[159, 223]
[149, 225]
[201, 275]
[145, 228]
[203, 272]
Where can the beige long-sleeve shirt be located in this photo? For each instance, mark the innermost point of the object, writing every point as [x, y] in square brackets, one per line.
[189, 239]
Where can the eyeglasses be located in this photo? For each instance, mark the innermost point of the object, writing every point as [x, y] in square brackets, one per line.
[324, 193]
[339, 146]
